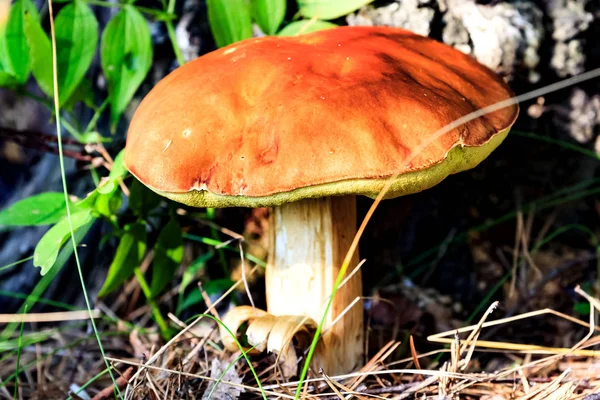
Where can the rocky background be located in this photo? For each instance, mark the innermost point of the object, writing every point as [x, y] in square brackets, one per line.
[531, 43]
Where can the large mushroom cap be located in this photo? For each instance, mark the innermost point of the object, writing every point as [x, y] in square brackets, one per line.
[277, 119]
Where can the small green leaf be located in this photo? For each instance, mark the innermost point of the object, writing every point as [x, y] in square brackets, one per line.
[107, 204]
[42, 209]
[50, 244]
[107, 198]
[141, 199]
[190, 272]
[582, 308]
[40, 50]
[93, 136]
[305, 26]
[329, 9]
[268, 14]
[108, 187]
[230, 20]
[126, 57]
[6, 79]
[17, 50]
[168, 253]
[212, 287]
[130, 252]
[83, 93]
[118, 171]
[76, 41]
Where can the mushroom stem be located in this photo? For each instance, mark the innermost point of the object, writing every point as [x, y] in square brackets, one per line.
[308, 243]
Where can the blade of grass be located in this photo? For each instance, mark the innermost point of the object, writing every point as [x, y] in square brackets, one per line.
[210, 214]
[41, 300]
[488, 297]
[8, 266]
[215, 243]
[238, 344]
[547, 239]
[9, 347]
[16, 392]
[88, 383]
[562, 143]
[66, 192]
[222, 375]
[44, 357]
[540, 204]
[42, 285]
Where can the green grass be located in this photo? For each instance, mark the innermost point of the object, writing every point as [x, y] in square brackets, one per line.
[61, 161]
[19, 346]
[22, 261]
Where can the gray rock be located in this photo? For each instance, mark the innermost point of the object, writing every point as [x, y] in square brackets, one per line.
[584, 115]
[568, 58]
[413, 15]
[570, 20]
[503, 36]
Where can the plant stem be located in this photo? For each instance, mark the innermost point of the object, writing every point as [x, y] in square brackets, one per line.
[162, 324]
[171, 31]
[176, 49]
[92, 124]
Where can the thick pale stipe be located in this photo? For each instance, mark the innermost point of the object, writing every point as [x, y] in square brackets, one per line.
[309, 240]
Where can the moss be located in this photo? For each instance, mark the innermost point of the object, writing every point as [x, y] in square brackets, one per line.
[458, 159]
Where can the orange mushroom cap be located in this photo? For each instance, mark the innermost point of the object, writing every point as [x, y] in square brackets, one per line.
[277, 119]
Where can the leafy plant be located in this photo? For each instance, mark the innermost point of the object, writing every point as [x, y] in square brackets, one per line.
[231, 20]
[126, 54]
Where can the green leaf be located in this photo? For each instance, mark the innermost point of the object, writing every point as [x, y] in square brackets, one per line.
[6, 79]
[84, 93]
[268, 14]
[130, 252]
[190, 272]
[107, 198]
[118, 171]
[126, 57]
[101, 200]
[40, 52]
[582, 308]
[42, 209]
[329, 9]
[76, 41]
[108, 187]
[168, 253]
[17, 50]
[230, 20]
[305, 26]
[47, 249]
[107, 204]
[212, 287]
[141, 199]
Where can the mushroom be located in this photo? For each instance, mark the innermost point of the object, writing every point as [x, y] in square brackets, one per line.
[303, 125]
